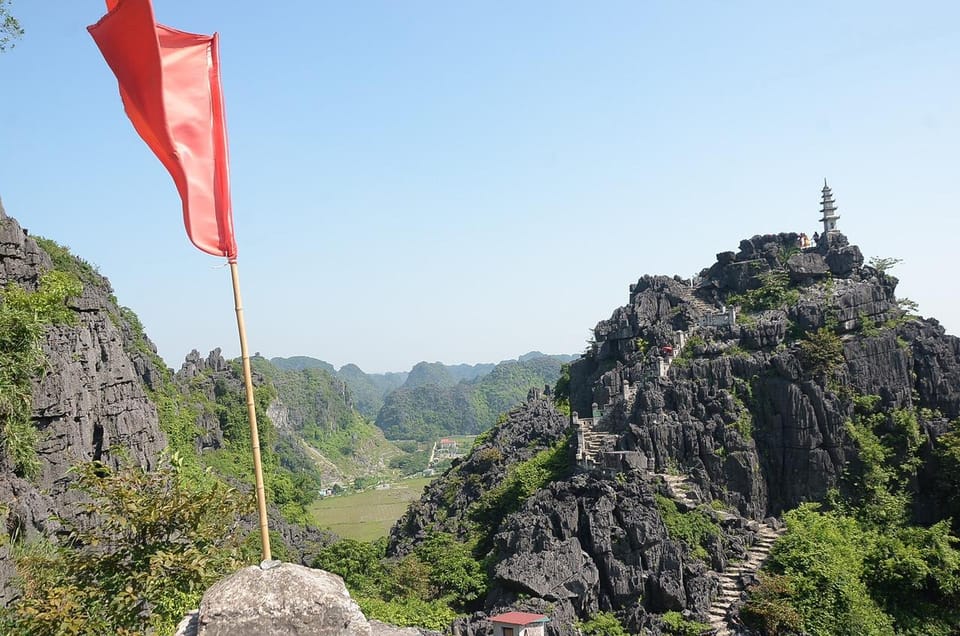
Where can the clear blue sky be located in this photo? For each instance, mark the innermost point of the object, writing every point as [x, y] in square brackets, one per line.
[467, 181]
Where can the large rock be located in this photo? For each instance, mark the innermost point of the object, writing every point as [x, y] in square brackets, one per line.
[286, 600]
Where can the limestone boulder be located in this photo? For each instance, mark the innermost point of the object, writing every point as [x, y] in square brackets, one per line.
[286, 600]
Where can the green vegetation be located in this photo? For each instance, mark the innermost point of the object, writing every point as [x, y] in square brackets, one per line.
[367, 515]
[369, 389]
[523, 480]
[10, 29]
[156, 546]
[24, 318]
[694, 528]
[67, 262]
[424, 589]
[675, 623]
[427, 411]
[601, 624]
[744, 421]
[769, 608]
[863, 567]
[694, 343]
[868, 326]
[883, 265]
[774, 292]
[821, 351]
[947, 458]
[443, 575]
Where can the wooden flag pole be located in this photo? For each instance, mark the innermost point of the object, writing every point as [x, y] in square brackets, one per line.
[252, 414]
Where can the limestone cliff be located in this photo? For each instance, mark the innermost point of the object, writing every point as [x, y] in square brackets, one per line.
[722, 401]
[89, 403]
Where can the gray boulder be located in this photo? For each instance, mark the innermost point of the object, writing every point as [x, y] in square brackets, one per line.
[286, 600]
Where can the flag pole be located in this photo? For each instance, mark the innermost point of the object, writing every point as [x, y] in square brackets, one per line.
[252, 414]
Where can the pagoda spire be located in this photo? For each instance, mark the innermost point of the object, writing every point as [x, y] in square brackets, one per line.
[828, 209]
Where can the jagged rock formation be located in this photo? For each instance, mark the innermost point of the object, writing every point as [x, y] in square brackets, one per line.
[537, 425]
[89, 404]
[722, 398]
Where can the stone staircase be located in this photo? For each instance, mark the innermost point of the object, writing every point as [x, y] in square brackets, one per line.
[701, 306]
[730, 588]
[681, 489]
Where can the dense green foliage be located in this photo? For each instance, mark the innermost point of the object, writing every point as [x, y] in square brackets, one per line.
[424, 588]
[694, 528]
[24, 318]
[369, 389]
[863, 567]
[774, 292]
[429, 374]
[157, 544]
[675, 623]
[821, 351]
[601, 624]
[319, 411]
[947, 454]
[769, 608]
[431, 410]
[428, 412]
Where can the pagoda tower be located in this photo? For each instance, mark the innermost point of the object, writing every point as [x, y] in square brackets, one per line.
[828, 209]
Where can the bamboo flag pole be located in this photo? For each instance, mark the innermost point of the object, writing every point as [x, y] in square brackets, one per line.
[252, 414]
[170, 86]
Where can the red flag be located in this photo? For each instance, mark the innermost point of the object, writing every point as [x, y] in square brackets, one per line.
[170, 86]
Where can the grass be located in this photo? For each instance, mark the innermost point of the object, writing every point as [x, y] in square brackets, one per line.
[366, 515]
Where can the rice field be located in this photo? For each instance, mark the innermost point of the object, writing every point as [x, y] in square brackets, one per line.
[367, 515]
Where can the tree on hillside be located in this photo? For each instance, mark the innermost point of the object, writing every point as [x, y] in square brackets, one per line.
[10, 29]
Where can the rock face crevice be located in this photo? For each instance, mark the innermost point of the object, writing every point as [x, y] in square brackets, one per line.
[89, 403]
[690, 394]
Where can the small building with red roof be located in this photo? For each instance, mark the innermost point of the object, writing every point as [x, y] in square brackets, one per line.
[518, 624]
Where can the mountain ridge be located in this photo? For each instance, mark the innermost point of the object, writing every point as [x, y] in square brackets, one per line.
[691, 425]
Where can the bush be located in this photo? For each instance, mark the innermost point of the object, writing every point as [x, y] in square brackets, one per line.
[822, 554]
[774, 292]
[601, 624]
[408, 612]
[821, 351]
[157, 543]
[769, 609]
[357, 562]
[677, 624]
[693, 528]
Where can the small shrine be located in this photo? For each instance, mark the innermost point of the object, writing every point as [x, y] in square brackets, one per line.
[828, 209]
[519, 624]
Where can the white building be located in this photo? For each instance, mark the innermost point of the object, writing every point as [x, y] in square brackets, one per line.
[518, 624]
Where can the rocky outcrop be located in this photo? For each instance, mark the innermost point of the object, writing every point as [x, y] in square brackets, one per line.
[532, 427]
[285, 600]
[733, 415]
[90, 402]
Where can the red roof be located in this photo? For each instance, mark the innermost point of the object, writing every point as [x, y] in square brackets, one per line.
[519, 618]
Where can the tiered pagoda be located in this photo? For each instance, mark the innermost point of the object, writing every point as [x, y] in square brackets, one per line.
[828, 209]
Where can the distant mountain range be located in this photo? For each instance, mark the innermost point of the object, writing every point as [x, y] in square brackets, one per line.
[369, 391]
